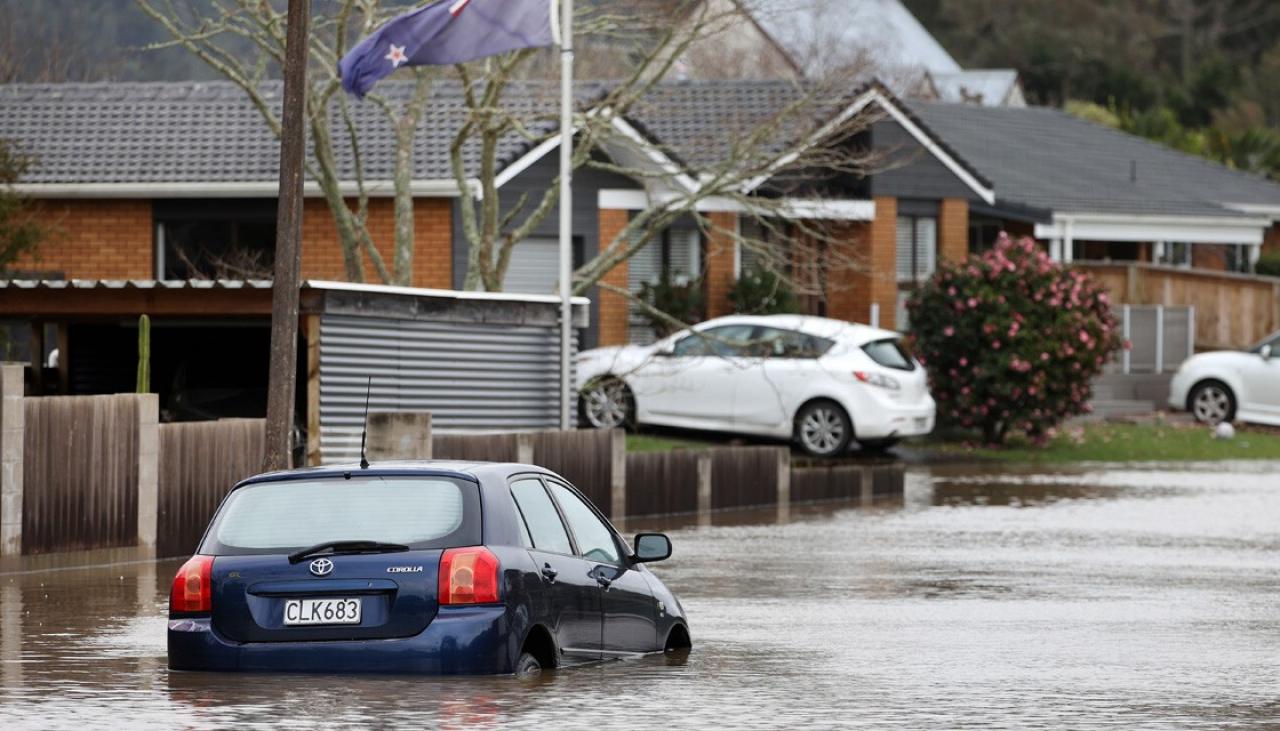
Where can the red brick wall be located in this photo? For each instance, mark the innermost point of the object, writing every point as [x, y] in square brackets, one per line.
[432, 229]
[848, 289]
[882, 261]
[95, 239]
[114, 239]
[614, 308]
[1206, 256]
[953, 229]
[721, 254]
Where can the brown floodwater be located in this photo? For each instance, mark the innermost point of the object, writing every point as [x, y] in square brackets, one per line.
[989, 597]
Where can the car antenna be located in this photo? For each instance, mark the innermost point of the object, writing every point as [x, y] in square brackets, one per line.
[364, 428]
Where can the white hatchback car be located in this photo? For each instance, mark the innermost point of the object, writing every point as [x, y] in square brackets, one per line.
[1227, 385]
[821, 382]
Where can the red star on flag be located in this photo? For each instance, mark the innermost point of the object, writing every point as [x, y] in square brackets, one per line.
[396, 56]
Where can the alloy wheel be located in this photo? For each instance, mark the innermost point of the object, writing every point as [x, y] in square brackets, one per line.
[822, 430]
[1212, 404]
[605, 404]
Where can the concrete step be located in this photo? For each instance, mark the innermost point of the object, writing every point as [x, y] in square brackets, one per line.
[1109, 408]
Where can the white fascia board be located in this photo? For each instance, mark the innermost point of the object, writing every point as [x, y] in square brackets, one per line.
[654, 155]
[1120, 227]
[1271, 211]
[256, 189]
[985, 193]
[796, 208]
[526, 160]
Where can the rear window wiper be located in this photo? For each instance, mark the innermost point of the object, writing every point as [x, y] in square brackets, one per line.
[335, 547]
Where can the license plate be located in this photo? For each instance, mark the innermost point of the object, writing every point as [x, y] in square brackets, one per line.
[321, 611]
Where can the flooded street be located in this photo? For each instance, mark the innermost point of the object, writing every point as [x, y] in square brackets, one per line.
[1131, 597]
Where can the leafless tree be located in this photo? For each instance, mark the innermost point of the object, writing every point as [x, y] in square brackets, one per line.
[761, 161]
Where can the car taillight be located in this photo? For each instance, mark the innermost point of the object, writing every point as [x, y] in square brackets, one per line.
[878, 379]
[468, 576]
[192, 588]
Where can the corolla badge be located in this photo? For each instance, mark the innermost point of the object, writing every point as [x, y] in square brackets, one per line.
[405, 570]
[322, 567]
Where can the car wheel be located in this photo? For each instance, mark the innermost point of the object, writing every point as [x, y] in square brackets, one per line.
[528, 666]
[878, 445]
[1212, 402]
[823, 429]
[606, 403]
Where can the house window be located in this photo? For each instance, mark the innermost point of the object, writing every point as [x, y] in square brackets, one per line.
[534, 266]
[215, 239]
[676, 254]
[917, 248]
[1237, 257]
[1174, 253]
[983, 233]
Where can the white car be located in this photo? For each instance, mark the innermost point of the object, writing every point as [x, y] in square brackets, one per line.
[1227, 385]
[821, 382]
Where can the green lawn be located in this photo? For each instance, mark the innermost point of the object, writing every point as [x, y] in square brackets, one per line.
[660, 443]
[1119, 442]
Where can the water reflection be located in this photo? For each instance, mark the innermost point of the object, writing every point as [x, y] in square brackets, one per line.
[988, 597]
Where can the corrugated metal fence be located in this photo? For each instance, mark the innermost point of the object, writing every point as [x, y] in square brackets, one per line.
[469, 375]
[1160, 337]
[80, 469]
[199, 463]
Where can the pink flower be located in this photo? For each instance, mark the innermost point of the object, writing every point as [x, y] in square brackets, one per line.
[1084, 336]
[964, 362]
[1044, 356]
[973, 302]
[948, 331]
[995, 344]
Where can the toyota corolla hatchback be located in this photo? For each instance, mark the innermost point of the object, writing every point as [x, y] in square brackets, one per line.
[417, 567]
[822, 383]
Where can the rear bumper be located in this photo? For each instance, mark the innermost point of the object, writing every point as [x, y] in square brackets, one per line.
[889, 419]
[459, 641]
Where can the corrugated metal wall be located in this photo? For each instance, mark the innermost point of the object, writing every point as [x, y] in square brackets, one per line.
[471, 376]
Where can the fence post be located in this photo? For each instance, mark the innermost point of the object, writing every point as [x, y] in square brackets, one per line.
[148, 468]
[784, 483]
[1191, 331]
[399, 435]
[866, 484]
[12, 428]
[618, 476]
[1159, 339]
[704, 488]
[1126, 355]
[524, 447]
[875, 314]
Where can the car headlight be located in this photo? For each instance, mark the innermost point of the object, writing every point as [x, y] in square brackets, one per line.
[878, 379]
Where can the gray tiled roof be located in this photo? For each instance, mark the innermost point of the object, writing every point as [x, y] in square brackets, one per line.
[201, 132]
[198, 132]
[1048, 159]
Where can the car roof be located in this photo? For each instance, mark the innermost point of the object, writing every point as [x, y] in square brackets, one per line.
[823, 327]
[468, 470]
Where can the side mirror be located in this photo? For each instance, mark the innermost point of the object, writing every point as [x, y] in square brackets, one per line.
[1265, 352]
[652, 547]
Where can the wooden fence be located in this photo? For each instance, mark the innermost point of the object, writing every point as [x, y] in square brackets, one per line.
[840, 481]
[1231, 310]
[80, 471]
[743, 477]
[590, 459]
[663, 482]
[199, 464]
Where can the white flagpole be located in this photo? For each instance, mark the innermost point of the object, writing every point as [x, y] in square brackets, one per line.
[566, 208]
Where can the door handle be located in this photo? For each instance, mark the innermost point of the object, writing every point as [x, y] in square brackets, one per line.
[549, 572]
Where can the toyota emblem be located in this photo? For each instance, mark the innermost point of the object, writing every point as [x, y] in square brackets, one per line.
[322, 567]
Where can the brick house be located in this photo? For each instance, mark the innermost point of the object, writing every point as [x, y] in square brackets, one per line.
[148, 181]
[142, 179]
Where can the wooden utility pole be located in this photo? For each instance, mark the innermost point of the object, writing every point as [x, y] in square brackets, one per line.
[284, 291]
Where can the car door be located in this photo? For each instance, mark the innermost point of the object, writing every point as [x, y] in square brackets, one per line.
[768, 394]
[630, 611]
[1261, 379]
[571, 602]
[693, 383]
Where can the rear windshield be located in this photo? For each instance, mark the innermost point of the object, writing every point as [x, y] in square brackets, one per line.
[890, 354]
[282, 517]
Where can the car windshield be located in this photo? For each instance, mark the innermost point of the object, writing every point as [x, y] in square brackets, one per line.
[889, 353]
[284, 516]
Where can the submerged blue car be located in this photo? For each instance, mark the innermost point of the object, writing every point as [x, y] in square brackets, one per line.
[417, 567]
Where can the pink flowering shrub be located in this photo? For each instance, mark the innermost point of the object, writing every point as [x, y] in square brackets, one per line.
[1011, 340]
